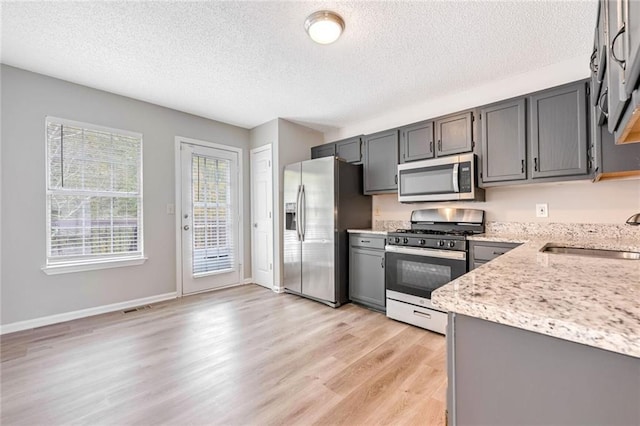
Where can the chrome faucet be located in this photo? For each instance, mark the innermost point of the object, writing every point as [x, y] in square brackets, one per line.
[634, 220]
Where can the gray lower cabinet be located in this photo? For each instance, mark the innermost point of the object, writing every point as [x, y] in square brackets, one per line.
[381, 162]
[366, 270]
[481, 252]
[504, 141]
[558, 132]
[326, 150]
[501, 375]
[454, 134]
[417, 142]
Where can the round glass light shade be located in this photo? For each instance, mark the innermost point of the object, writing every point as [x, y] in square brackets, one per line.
[324, 26]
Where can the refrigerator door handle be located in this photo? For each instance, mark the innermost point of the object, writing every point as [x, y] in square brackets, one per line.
[298, 218]
[303, 211]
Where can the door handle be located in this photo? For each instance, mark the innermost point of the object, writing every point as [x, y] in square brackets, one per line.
[303, 211]
[454, 177]
[431, 146]
[186, 227]
[382, 263]
[421, 314]
[522, 168]
[396, 179]
[535, 164]
[439, 145]
[298, 214]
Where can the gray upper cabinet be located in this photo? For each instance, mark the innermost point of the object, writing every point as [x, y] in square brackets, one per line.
[350, 150]
[615, 61]
[504, 141]
[454, 134]
[631, 13]
[558, 132]
[326, 150]
[381, 162]
[417, 142]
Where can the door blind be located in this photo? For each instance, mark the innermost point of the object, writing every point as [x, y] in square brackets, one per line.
[94, 193]
[212, 218]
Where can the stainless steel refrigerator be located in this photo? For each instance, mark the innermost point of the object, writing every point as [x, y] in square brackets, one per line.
[322, 199]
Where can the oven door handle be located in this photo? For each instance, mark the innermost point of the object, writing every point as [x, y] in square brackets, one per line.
[456, 186]
[442, 254]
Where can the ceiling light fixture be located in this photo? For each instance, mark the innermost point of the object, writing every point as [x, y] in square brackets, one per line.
[324, 26]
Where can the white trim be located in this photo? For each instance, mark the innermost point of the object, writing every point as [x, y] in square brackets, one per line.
[178, 203]
[248, 281]
[83, 313]
[66, 268]
[92, 126]
[277, 289]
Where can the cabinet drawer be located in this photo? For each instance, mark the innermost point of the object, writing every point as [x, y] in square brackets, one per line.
[370, 241]
[416, 315]
[486, 253]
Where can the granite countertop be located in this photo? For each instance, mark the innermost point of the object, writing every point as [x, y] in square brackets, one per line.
[366, 231]
[593, 301]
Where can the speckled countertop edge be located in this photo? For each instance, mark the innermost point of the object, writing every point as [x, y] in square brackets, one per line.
[586, 300]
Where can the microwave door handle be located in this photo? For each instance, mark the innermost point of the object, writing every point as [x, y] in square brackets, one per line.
[454, 176]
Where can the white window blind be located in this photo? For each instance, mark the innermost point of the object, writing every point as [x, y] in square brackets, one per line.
[94, 193]
[213, 241]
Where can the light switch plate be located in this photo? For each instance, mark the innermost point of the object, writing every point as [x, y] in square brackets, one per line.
[542, 210]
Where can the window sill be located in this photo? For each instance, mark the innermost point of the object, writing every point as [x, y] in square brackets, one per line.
[67, 268]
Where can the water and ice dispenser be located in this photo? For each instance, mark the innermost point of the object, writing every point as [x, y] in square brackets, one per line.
[290, 214]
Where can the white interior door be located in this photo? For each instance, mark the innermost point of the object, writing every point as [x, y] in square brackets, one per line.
[262, 216]
[210, 218]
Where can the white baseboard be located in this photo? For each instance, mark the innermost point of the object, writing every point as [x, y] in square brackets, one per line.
[248, 281]
[278, 289]
[68, 316]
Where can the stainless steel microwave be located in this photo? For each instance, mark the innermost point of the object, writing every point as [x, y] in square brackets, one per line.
[442, 179]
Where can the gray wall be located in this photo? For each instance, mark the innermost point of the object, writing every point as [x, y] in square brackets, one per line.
[26, 291]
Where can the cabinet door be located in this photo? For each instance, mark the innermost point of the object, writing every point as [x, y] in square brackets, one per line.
[326, 150]
[504, 141]
[366, 277]
[350, 150]
[632, 45]
[558, 132]
[381, 162]
[615, 65]
[454, 134]
[416, 142]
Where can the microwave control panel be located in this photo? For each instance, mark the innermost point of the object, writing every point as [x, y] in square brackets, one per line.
[464, 178]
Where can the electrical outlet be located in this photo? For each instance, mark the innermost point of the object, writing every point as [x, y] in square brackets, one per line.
[542, 210]
[171, 209]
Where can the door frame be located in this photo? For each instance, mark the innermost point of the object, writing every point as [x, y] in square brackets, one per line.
[178, 206]
[273, 215]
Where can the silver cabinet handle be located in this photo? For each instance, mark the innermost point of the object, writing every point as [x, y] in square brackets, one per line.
[186, 227]
[620, 62]
[603, 95]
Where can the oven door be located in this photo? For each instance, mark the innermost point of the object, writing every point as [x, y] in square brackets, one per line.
[419, 271]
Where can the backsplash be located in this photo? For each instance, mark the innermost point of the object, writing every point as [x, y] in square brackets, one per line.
[577, 230]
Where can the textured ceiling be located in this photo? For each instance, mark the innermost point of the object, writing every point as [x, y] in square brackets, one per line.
[246, 63]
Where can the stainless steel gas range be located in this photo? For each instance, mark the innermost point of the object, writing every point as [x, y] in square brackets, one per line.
[427, 256]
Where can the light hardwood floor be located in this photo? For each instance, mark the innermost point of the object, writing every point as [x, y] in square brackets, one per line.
[233, 357]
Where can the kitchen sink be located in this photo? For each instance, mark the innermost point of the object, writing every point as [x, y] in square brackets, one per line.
[590, 252]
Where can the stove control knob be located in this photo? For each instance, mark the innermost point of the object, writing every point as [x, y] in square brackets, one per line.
[405, 240]
[441, 243]
[452, 244]
[422, 242]
[397, 240]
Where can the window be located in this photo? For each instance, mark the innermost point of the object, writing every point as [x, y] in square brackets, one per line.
[94, 194]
